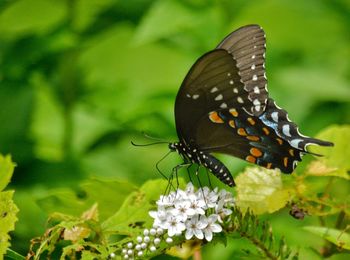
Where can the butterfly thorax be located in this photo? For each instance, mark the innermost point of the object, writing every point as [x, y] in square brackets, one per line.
[191, 155]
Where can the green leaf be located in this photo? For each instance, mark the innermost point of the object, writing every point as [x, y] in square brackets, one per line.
[6, 170]
[335, 236]
[109, 195]
[133, 214]
[8, 211]
[261, 190]
[26, 16]
[162, 12]
[10, 254]
[335, 159]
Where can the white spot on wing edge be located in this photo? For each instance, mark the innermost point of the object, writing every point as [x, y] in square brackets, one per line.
[235, 90]
[231, 82]
[295, 143]
[223, 105]
[214, 89]
[255, 78]
[219, 97]
[274, 116]
[286, 130]
[195, 96]
[256, 90]
[240, 100]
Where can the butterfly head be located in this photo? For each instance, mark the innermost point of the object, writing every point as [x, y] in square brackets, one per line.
[173, 147]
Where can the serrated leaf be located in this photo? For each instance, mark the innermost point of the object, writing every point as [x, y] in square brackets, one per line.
[335, 236]
[6, 170]
[8, 211]
[133, 214]
[261, 190]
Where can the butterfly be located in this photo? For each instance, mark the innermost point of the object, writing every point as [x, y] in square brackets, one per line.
[223, 106]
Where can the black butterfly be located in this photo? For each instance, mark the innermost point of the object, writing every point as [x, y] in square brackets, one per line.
[223, 107]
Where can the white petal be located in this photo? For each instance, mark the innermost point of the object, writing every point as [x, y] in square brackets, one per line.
[198, 233]
[208, 235]
[171, 231]
[216, 228]
[189, 234]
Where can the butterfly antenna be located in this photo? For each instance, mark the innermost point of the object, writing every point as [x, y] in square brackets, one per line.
[157, 164]
[135, 144]
[153, 138]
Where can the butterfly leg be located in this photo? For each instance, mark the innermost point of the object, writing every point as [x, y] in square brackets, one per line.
[209, 181]
[188, 172]
[200, 184]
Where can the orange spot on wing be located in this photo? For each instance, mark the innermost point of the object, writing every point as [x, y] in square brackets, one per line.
[233, 112]
[255, 152]
[279, 140]
[250, 158]
[251, 121]
[253, 138]
[269, 165]
[291, 152]
[214, 117]
[285, 161]
[241, 131]
[266, 131]
[232, 123]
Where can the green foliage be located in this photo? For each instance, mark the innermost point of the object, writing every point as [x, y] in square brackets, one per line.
[80, 79]
[261, 190]
[8, 209]
[340, 238]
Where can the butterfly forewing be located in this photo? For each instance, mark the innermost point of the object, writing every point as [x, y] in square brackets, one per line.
[247, 46]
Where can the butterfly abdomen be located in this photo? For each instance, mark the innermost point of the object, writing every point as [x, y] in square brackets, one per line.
[218, 169]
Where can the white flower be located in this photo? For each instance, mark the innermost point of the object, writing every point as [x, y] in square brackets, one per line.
[194, 227]
[160, 217]
[221, 211]
[197, 204]
[182, 210]
[212, 227]
[189, 188]
[174, 225]
[210, 197]
[166, 200]
[227, 197]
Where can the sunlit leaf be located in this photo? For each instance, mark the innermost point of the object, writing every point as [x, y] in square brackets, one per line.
[261, 190]
[319, 168]
[26, 16]
[133, 214]
[6, 170]
[335, 236]
[8, 211]
[109, 195]
[162, 13]
[337, 156]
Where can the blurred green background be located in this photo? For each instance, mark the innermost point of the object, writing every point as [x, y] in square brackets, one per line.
[80, 79]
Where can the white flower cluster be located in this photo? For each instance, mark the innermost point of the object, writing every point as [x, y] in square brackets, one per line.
[148, 242]
[196, 213]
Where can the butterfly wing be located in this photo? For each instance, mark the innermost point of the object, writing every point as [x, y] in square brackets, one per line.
[247, 46]
[271, 140]
[223, 106]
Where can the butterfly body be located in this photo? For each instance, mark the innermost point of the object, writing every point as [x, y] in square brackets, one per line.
[193, 155]
[223, 107]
